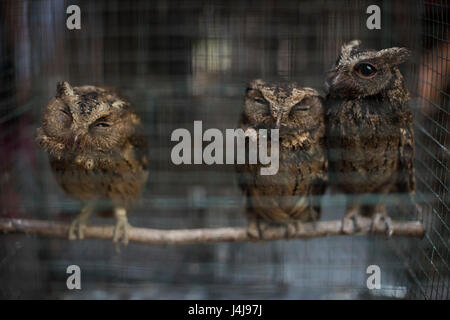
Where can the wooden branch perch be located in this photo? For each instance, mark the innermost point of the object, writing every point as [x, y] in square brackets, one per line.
[195, 236]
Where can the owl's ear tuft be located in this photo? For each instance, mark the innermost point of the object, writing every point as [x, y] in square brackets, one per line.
[64, 89]
[347, 49]
[352, 44]
[254, 83]
[394, 56]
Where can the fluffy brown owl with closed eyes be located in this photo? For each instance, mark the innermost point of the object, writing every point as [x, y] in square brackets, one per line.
[292, 195]
[96, 150]
[370, 130]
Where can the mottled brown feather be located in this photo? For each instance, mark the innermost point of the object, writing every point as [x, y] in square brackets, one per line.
[291, 194]
[369, 124]
[107, 163]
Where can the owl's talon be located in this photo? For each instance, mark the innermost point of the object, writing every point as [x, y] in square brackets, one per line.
[72, 235]
[314, 217]
[346, 228]
[77, 227]
[389, 226]
[258, 229]
[387, 220]
[253, 229]
[121, 229]
[350, 223]
[293, 228]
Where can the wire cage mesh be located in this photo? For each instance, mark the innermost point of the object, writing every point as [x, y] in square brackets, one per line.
[181, 61]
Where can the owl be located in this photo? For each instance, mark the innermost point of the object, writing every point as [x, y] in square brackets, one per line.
[369, 131]
[97, 152]
[292, 195]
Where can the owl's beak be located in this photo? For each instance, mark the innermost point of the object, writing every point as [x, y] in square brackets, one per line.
[331, 80]
[75, 140]
[279, 117]
[277, 124]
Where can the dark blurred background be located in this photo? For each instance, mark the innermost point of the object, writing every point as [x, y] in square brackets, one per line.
[181, 61]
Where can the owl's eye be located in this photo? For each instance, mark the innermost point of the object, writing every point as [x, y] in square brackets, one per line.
[365, 70]
[66, 112]
[301, 107]
[263, 105]
[102, 124]
[65, 116]
[260, 100]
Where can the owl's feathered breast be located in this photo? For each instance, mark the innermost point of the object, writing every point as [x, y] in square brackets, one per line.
[118, 178]
[95, 143]
[364, 137]
[286, 195]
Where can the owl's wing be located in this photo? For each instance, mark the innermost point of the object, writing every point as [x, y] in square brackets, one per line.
[243, 176]
[241, 172]
[319, 185]
[245, 173]
[140, 148]
[407, 181]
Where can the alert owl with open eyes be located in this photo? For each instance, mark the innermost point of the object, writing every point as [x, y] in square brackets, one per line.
[292, 195]
[370, 130]
[96, 150]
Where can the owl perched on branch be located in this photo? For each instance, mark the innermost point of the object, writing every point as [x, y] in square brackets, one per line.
[96, 150]
[370, 130]
[292, 195]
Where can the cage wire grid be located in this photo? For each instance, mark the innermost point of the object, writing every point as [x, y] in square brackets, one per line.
[181, 61]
